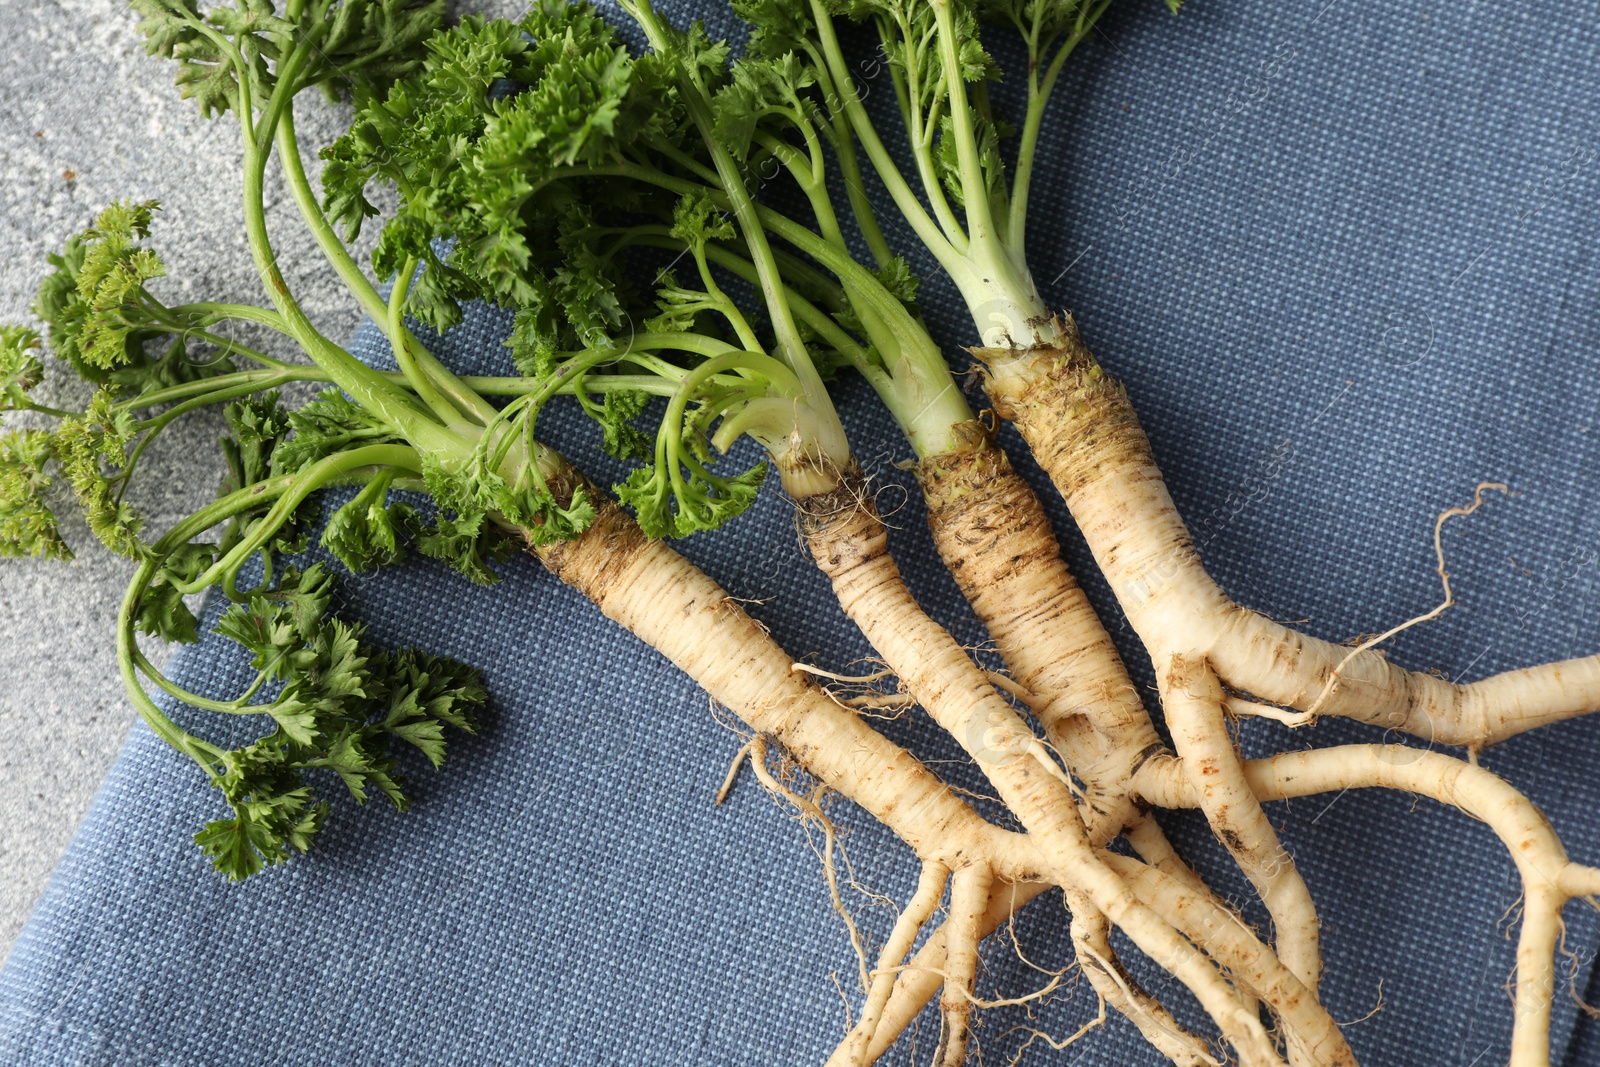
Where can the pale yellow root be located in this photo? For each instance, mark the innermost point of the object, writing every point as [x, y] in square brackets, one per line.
[969, 899]
[676, 609]
[1580, 881]
[1083, 431]
[1312, 1035]
[1291, 669]
[1153, 846]
[1193, 700]
[997, 543]
[1080, 427]
[1146, 837]
[1091, 939]
[910, 921]
[919, 980]
[1549, 880]
[848, 542]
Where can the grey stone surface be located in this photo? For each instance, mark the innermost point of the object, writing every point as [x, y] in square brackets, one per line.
[85, 118]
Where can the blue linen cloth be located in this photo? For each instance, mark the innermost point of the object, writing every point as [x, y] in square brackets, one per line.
[1343, 256]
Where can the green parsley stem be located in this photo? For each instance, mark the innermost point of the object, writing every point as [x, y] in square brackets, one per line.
[366, 294]
[324, 472]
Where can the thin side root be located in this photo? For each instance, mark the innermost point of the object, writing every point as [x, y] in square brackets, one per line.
[1427, 616]
[930, 889]
[861, 679]
[969, 899]
[1003, 1002]
[921, 979]
[1312, 1035]
[1012, 687]
[1091, 938]
[1193, 702]
[733, 773]
[881, 700]
[1039, 1035]
[1548, 878]
[810, 810]
[1240, 708]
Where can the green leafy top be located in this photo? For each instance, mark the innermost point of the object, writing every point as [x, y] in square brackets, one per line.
[27, 526]
[20, 368]
[471, 159]
[500, 146]
[330, 423]
[101, 318]
[358, 44]
[336, 702]
[108, 270]
[94, 450]
[957, 198]
[341, 706]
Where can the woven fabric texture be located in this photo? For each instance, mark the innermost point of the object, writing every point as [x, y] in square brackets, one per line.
[1344, 258]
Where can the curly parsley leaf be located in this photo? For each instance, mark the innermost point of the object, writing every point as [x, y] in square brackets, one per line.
[339, 45]
[465, 536]
[330, 423]
[109, 282]
[100, 317]
[27, 525]
[367, 532]
[20, 368]
[474, 163]
[342, 706]
[987, 135]
[621, 439]
[93, 451]
[677, 507]
[162, 611]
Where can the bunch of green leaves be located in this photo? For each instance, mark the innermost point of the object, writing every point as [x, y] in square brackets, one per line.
[963, 201]
[473, 142]
[101, 319]
[20, 367]
[918, 49]
[372, 529]
[338, 45]
[675, 493]
[759, 89]
[27, 525]
[576, 299]
[504, 149]
[93, 449]
[477, 503]
[328, 423]
[679, 495]
[341, 706]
